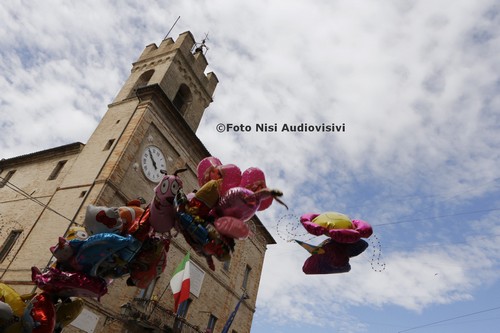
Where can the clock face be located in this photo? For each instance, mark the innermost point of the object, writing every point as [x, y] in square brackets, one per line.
[153, 162]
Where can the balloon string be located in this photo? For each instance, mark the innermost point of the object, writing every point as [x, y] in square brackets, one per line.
[287, 228]
[376, 260]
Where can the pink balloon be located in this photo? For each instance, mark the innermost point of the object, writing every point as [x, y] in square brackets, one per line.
[162, 209]
[204, 167]
[232, 227]
[364, 228]
[254, 179]
[361, 229]
[231, 177]
[335, 258]
[68, 284]
[238, 202]
[265, 203]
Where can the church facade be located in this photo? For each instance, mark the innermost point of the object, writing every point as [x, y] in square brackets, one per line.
[44, 194]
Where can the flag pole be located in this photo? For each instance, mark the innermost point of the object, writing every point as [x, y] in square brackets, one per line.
[233, 314]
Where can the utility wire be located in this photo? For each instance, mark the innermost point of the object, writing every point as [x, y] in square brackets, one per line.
[449, 319]
[30, 197]
[437, 217]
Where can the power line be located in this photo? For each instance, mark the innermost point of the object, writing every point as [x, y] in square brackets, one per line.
[35, 200]
[437, 217]
[449, 319]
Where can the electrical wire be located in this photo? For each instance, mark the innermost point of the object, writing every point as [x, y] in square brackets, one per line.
[30, 197]
[449, 319]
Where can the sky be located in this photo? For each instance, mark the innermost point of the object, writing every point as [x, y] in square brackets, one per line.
[411, 88]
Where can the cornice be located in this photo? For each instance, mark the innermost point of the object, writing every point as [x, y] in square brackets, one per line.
[72, 148]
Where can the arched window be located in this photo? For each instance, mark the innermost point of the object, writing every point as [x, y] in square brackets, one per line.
[141, 82]
[182, 99]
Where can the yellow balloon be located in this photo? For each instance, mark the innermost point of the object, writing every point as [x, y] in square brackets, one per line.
[77, 233]
[209, 193]
[333, 220]
[67, 312]
[11, 297]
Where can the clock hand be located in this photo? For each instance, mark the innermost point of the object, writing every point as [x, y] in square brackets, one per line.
[152, 159]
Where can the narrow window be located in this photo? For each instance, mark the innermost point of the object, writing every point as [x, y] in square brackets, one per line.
[181, 313]
[248, 269]
[182, 98]
[226, 265]
[109, 144]
[183, 308]
[57, 170]
[9, 244]
[5, 180]
[148, 292]
[146, 295]
[211, 323]
[142, 81]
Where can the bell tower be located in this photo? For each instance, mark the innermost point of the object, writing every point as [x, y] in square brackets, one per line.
[158, 109]
[178, 69]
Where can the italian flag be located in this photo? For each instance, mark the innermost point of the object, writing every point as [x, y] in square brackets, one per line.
[180, 282]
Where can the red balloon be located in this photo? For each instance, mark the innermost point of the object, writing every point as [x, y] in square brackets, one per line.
[68, 284]
[149, 263]
[43, 314]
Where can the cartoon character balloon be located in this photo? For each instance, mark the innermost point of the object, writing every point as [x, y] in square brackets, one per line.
[332, 255]
[76, 232]
[16, 301]
[337, 226]
[68, 284]
[101, 219]
[104, 254]
[162, 210]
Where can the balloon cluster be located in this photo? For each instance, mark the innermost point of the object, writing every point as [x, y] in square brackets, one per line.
[134, 241]
[114, 242]
[37, 313]
[121, 241]
[211, 218]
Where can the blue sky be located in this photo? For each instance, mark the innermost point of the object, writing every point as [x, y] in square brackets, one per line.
[415, 84]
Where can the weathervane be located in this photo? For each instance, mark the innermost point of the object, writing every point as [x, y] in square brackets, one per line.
[200, 46]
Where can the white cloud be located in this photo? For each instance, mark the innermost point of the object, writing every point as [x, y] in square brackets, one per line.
[413, 279]
[415, 83]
